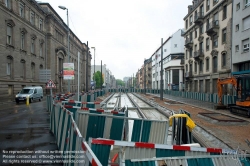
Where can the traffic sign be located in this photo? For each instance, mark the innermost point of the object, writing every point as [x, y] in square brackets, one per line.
[50, 84]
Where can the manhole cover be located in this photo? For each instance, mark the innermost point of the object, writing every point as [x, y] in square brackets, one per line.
[221, 119]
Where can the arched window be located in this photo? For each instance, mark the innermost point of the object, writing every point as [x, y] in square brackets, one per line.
[23, 69]
[9, 66]
[33, 70]
[215, 64]
[223, 59]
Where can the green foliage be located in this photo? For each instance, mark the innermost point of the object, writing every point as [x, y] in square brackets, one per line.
[98, 79]
[120, 82]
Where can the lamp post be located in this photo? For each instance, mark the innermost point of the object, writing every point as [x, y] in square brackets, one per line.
[94, 63]
[63, 8]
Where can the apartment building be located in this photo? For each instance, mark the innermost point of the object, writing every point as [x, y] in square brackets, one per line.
[33, 38]
[172, 50]
[241, 37]
[148, 75]
[207, 44]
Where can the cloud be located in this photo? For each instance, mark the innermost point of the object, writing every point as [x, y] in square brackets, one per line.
[124, 33]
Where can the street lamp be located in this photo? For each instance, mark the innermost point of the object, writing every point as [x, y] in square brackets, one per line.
[63, 8]
[94, 62]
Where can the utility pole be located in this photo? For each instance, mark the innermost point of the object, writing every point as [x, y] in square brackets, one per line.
[161, 91]
[101, 74]
[87, 66]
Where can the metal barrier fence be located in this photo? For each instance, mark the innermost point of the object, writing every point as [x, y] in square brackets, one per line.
[212, 98]
[140, 153]
[110, 125]
[69, 140]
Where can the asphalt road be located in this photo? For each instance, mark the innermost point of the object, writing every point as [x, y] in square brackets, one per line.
[25, 129]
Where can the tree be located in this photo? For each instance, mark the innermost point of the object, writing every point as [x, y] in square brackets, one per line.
[119, 82]
[98, 79]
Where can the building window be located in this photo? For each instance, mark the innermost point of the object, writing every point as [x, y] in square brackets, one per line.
[215, 64]
[237, 27]
[59, 36]
[245, 44]
[215, 41]
[238, 7]
[32, 46]
[41, 24]
[187, 24]
[195, 67]
[22, 68]
[32, 70]
[207, 44]
[201, 66]
[201, 29]
[195, 33]
[9, 66]
[224, 35]
[215, 2]
[186, 54]
[190, 20]
[41, 50]
[190, 53]
[247, 3]
[246, 23]
[208, 5]
[224, 59]
[207, 64]
[186, 68]
[224, 15]
[21, 9]
[32, 17]
[8, 3]
[22, 40]
[9, 34]
[237, 48]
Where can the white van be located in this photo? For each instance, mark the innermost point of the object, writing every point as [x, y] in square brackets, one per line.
[34, 93]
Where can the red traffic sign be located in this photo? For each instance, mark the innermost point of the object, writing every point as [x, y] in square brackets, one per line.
[50, 84]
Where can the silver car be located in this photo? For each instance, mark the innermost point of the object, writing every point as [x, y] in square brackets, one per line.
[34, 93]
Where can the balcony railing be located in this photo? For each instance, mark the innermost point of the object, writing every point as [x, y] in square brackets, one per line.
[212, 27]
[198, 54]
[188, 42]
[198, 18]
[188, 74]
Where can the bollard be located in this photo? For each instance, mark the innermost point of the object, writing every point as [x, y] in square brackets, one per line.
[27, 101]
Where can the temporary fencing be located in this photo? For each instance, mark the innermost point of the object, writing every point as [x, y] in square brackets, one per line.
[98, 123]
[112, 125]
[69, 139]
[137, 153]
[82, 104]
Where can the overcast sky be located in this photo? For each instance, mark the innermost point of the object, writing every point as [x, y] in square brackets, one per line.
[124, 32]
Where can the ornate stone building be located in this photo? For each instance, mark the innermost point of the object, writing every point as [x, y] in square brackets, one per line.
[207, 44]
[34, 38]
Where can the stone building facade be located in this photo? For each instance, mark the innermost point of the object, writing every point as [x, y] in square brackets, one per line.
[207, 44]
[33, 38]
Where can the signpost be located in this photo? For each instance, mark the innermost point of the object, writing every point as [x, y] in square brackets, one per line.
[50, 84]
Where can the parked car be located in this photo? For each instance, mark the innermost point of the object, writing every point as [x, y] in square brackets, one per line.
[34, 93]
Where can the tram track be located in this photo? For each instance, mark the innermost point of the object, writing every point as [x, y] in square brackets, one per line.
[200, 135]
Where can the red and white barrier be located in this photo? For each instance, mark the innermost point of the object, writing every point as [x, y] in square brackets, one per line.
[161, 146]
[90, 155]
[82, 104]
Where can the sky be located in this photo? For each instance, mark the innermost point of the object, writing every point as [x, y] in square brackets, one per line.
[123, 32]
